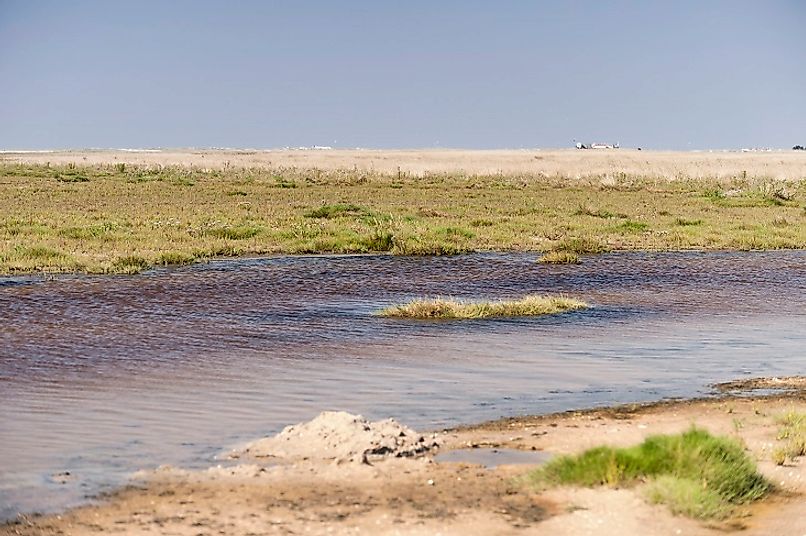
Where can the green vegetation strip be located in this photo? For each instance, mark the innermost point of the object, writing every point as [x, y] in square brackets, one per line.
[694, 473]
[455, 309]
[120, 218]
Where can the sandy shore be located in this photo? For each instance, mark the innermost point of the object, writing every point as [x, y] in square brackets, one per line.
[782, 165]
[424, 496]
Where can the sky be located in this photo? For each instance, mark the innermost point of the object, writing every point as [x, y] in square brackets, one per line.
[687, 74]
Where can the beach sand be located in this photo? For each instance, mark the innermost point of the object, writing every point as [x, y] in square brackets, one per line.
[571, 163]
[423, 496]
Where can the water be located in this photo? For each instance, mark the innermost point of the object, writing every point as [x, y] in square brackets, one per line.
[100, 376]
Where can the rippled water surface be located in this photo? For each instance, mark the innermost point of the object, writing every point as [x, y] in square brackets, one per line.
[103, 375]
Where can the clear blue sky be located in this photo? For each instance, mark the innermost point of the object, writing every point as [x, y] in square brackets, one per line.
[681, 75]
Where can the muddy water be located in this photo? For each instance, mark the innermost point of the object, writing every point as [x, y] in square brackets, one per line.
[103, 375]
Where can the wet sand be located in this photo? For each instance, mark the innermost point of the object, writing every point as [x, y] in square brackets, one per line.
[569, 163]
[421, 496]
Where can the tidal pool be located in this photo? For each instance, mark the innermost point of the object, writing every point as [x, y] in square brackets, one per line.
[100, 376]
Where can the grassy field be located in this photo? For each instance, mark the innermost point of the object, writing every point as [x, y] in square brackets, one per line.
[120, 218]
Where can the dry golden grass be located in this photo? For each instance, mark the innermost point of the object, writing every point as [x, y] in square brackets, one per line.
[459, 309]
[793, 435]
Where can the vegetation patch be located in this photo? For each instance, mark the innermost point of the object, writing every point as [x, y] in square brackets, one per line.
[88, 232]
[580, 245]
[39, 253]
[531, 305]
[633, 226]
[337, 211]
[175, 258]
[130, 264]
[232, 232]
[72, 178]
[683, 222]
[428, 245]
[597, 213]
[793, 434]
[559, 257]
[694, 473]
[128, 209]
[281, 182]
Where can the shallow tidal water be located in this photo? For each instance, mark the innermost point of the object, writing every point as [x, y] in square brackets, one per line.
[101, 376]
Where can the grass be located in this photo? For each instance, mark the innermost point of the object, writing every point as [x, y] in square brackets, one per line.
[458, 309]
[694, 473]
[793, 433]
[195, 214]
[339, 210]
[559, 257]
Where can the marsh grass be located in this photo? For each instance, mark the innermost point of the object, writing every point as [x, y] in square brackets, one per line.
[792, 432]
[149, 210]
[175, 258]
[232, 232]
[442, 308]
[581, 245]
[694, 473]
[131, 264]
[633, 226]
[584, 210]
[559, 257]
[339, 210]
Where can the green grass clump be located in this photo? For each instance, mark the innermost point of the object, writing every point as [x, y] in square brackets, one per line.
[683, 222]
[633, 226]
[587, 211]
[337, 211]
[232, 232]
[175, 258]
[41, 253]
[532, 305]
[793, 433]
[559, 257]
[130, 264]
[694, 473]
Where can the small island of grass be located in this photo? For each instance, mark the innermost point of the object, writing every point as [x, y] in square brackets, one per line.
[559, 257]
[531, 305]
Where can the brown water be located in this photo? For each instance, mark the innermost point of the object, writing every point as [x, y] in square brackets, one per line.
[100, 376]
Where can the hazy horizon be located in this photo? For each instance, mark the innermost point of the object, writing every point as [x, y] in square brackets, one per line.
[717, 75]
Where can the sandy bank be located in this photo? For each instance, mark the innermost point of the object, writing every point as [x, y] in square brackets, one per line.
[417, 495]
[572, 163]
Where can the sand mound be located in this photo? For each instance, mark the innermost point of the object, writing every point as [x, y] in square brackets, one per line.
[341, 437]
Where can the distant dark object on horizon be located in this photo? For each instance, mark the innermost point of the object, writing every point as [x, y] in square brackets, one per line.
[580, 145]
[799, 148]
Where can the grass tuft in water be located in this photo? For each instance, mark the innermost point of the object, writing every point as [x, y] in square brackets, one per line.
[559, 257]
[175, 258]
[532, 305]
[694, 473]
